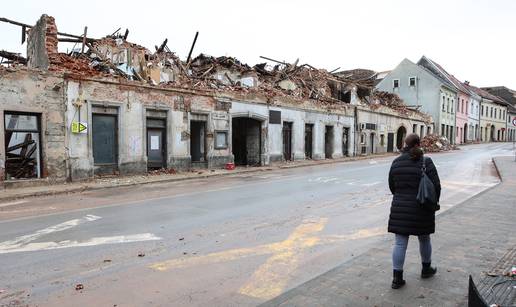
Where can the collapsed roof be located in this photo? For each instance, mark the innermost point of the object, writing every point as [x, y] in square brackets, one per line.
[114, 56]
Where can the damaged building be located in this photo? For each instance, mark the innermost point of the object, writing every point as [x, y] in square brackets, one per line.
[383, 120]
[113, 107]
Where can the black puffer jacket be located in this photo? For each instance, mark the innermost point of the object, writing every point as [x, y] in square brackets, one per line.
[407, 216]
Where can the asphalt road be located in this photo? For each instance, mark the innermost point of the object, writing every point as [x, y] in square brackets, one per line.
[227, 241]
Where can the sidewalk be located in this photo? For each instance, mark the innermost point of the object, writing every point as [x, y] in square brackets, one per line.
[9, 194]
[469, 239]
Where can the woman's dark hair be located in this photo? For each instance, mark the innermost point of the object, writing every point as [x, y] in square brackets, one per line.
[413, 143]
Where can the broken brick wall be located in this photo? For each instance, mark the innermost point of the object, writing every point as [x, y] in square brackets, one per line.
[42, 42]
[28, 91]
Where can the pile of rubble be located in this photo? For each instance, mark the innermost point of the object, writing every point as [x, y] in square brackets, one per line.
[393, 101]
[436, 143]
[390, 100]
[82, 65]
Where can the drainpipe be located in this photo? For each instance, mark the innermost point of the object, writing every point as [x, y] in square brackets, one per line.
[355, 145]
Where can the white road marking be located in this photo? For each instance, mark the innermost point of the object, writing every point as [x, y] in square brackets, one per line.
[22, 244]
[371, 184]
[373, 162]
[17, 242]
[323, 179]
[12, 203]
[31, 247]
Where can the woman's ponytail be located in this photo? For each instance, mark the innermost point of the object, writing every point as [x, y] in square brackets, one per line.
[413, 146]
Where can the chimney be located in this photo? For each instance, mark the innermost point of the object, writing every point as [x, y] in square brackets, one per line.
[42, 42]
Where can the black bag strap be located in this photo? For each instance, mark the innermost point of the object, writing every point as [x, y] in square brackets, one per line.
[423, 166]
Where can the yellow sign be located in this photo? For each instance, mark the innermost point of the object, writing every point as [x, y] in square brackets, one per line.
[78, 127]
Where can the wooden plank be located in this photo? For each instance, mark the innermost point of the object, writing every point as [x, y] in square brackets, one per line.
[18, 146]
[191, 49]
[84, 39]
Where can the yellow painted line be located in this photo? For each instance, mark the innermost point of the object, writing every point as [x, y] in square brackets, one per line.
[271, 278]
[223, 256]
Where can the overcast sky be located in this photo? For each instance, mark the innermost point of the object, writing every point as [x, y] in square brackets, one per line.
[475, 40]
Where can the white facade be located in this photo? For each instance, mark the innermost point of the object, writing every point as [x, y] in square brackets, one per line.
[273, 150]
[447, 113]
[474, 118]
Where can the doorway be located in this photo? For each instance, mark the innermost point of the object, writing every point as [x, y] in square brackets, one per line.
[371, 145]
[105, 143]
[246, 141]
[156, 143]
[198, 141]
[328, 142]
[287, 141]
[465, 133]
[390, 142]
[309, 128]
[22, 145]
[345, 142]
[400, 137]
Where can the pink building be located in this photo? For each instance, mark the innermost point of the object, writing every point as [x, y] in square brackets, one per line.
[461, 117]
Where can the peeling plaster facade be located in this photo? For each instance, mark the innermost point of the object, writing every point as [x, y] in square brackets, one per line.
[60, 100]
[387, 121]
[39, 93]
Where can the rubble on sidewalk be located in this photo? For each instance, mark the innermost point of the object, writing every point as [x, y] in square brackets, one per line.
[436, 143]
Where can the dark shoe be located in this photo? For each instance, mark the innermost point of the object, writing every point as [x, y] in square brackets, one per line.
[397, 280]
[427, 271]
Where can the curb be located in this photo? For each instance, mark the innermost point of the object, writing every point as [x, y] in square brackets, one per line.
[497, 170]
[168, 180]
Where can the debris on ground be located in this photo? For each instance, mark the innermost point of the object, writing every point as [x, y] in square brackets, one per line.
[436, 143]
[79, 287]
[163, 171]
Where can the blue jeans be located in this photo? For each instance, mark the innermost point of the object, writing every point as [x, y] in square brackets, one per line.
[400, 248]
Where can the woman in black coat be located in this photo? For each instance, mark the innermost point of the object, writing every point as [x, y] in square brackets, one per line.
[408, 216]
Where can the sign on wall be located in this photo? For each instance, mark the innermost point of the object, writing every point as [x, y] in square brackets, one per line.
[514, 121]
[274, 117]
[78, 127]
